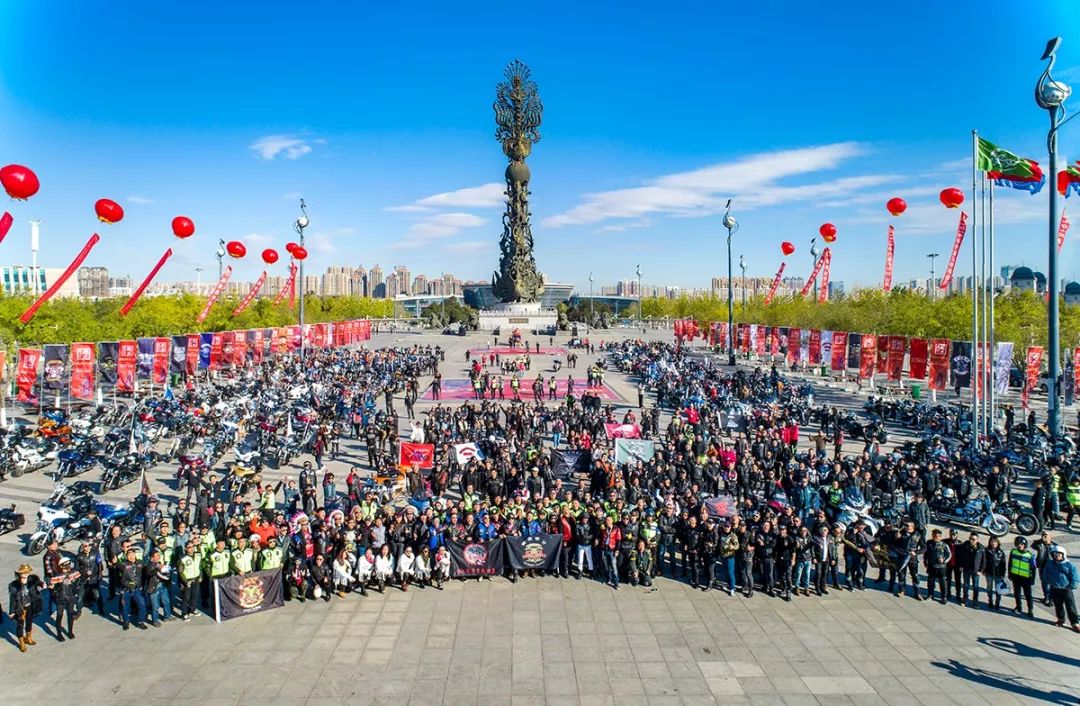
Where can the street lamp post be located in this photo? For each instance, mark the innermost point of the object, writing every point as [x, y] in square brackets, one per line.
[1050, 95]
[814, 256]
[742, 281]
[732, 226]
[220, 254]
[639, 316]
[299, 226]
[592, 310]
[930, 285]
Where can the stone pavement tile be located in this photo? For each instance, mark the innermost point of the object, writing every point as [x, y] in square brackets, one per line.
[828, 685]
[660, 686]
[757, 685]
[561, 700]
[626, 687]
[596, 700]
[799, 700]
[766, 700]
[789, 685]
[689, 687]
[527, 700]
[745, 669]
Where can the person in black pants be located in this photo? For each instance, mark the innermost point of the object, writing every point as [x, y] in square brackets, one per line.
[938, 556]
[766, 552]
[65, 593]
[89, 566]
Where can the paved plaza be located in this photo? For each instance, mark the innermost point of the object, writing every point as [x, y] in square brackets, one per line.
[545, 640]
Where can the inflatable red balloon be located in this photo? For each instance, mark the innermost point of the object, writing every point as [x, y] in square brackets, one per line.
[896, 206]
[299, 252]
[828, 232]
[236, 249]
[787, 247]
[19, 182]
[269, 256]
[289, 247]
[183, 227]
[108, 211]
[952, 197]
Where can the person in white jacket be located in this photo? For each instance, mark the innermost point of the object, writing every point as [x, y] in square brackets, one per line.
[384, 568]
[365, 571]
[343, 575]
[406, 567]
[441, 568]
[423, 567]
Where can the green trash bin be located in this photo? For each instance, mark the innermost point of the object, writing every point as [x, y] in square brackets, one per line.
[916, 391]
[824, 371]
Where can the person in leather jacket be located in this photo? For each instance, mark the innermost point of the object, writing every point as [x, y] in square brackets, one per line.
[65, 592]
[904, 552]
[88, 564]
[24, 604]
[691, 541]
[765, 550]
[937, 557]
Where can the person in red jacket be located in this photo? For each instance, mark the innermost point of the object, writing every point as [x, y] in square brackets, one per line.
[610, 538]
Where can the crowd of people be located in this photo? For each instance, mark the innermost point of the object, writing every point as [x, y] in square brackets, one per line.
[734, 496]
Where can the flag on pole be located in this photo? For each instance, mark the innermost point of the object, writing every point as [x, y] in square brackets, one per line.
[890, 250]
[1068, 180]
[1008, 169]
[1063, 228]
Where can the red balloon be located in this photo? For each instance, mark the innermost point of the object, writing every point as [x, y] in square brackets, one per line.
[289, 247]
[269, 256]
[787, 247]
[896, 206]
[952, 197]
[183, 227]
[828, 232]
[299, 252]
[236, 249]
[108, 211]
[19, 182]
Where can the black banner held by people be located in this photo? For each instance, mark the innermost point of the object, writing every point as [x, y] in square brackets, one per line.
[539, 552]
[237, 596]
[477, 558]
[564, 463]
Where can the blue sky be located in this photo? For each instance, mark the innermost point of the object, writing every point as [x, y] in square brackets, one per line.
[654, 116]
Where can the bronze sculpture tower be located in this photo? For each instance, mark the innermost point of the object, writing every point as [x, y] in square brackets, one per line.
[518, 112]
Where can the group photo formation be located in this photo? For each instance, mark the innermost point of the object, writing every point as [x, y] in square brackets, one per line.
[785, 410]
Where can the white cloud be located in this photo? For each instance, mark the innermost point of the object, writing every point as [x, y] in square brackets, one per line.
[471, 246]
[753, 181]
[140, 200]
[292, 196]
[440, 225]
[257, 240]
[483, 196]
[289, 146]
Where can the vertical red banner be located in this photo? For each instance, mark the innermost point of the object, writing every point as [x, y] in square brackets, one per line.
[839, 351]
[882, 353]
[918, 358]
[1033, 365]
[867, 356]
[82, 371]
[775, 284]
[1076, 369]
[774, 340]
[744, 337]
[894, 365]
[794, 345]
[162, 350]
[228, 348]
[890, 249]
[239, 348]
[946, 279]
[295, 338]
[127, 354]
[26, 374]
[257, 352]
[815, 346]
[192, 363]
[939, 363]
[722, 334]
[759, 341]
[217, 347]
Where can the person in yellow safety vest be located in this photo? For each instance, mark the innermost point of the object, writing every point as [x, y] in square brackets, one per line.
[168, 546]
[243, 558]
[1022, 572]
[268, 500]
[272, 558]
[1072, 496]
[189, 571]
[215, 567]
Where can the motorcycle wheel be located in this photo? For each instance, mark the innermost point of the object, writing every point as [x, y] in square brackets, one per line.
[16, 472]
[883, 438]
[998, 526]
[37, 545]
[1027, 524]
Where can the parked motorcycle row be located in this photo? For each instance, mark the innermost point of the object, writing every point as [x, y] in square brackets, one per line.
[259, 427]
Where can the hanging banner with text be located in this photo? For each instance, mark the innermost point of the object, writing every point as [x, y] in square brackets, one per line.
[890, 250]
[946, 279]
[939, 364]
[775, 284]
[255, 592]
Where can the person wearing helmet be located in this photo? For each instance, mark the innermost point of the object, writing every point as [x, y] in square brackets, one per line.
[90, 567]
[1063, 579]
[1022, 572]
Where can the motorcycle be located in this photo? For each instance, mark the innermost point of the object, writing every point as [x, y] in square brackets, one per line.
[24, 459]
[10, 520]
[1025, 521]
[977, 511]
[73, 462]
[852, 512]
[121, 471]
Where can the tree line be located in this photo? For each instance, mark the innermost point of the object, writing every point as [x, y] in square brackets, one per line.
[1019, 317]
[74, 320]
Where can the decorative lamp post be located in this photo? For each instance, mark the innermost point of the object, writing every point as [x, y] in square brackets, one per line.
[742, 282]
[814, 254]
[639, 317]
[592, 311]
[299, 226]
[732, 226]
[220, 254]
[931, 284]
[1050, 95]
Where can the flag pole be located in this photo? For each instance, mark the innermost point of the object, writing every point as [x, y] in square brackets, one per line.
[983, 337]
[992, 343]
[974, 289]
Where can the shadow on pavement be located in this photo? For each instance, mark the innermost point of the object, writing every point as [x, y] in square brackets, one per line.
[1007, 682]
[1021, 650]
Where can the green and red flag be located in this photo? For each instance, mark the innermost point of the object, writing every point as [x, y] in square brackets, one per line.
[1069, 180]
[1009, 169]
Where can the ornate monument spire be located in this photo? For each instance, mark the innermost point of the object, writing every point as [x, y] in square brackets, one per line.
[518, 112]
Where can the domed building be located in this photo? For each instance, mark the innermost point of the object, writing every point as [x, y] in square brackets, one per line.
[1022, 280]
[1040, 283]
[1072, 293]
